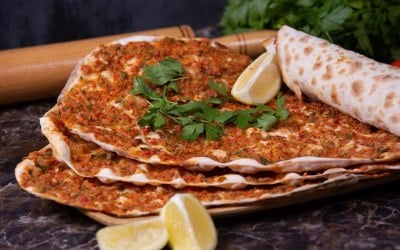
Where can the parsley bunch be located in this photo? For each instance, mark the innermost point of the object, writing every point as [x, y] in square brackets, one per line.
[369, 27]
[197, 117]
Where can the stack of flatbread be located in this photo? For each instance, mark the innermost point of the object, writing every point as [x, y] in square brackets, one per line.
[343, 130]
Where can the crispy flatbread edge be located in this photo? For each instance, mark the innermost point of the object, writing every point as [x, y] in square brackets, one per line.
[243, 165]
[246, 165]
[336, 182]
[257, 207]
[19, 170]
[62, 153]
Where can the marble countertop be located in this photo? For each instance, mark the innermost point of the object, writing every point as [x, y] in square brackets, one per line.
[368, 219]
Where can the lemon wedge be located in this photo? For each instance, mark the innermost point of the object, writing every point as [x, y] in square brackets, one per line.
[147, 234]
[188, 224]
[260, 81]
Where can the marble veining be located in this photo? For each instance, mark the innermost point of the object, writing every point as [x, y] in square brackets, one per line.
[368, 219]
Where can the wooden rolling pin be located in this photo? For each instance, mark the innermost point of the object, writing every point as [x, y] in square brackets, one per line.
[248, 43]
[40, 72]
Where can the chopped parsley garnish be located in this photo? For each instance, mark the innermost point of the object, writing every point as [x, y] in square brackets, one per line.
[197, 117]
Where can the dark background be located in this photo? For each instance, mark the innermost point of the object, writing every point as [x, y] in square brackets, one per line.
[32, 22]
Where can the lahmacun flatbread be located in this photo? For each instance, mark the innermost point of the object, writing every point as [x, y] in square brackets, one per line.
[101, 159]
[42, 175]
[89, 160]
[348, 81]
[97, 105]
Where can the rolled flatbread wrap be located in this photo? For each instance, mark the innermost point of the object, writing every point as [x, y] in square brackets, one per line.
[350, 82]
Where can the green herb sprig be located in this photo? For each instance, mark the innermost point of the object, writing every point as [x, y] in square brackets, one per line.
[197, 117]
[369, 27]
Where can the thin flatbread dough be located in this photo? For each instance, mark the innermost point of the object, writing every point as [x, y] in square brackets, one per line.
[97, 105]
[348, 81]
[89, 160]
[42, 175]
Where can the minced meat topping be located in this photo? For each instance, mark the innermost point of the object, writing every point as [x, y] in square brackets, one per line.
[53, 180]
[100, 104]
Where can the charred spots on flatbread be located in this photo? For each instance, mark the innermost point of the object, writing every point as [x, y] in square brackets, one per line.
[313, 81]
[317, 65]
[395, 118]
[288, 59]
[357, 88]
[328, 75]
[383, 78]
[323, 44]
[301, 71]
[389, 100]
[329, 59]
[308, 50]
[304, 39]
[374, 87]
[286, 47]
[360, 81]
[334, 95]
[354, 66]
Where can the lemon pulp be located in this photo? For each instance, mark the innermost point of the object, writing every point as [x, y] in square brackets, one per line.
[149, 234]
[260, 81]
[188, 224]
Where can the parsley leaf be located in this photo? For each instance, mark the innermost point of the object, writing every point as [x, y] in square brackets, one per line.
[215, 100]
[208, 113]
[152, 118]
[192, 131]
[244, 118]
[213, 132]
[281, 112]
[140, 87]
[266, 109]
[224, 117]
[266, 122]
[191, 107]
[163, 72]
[220, 88]
[334, 17]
